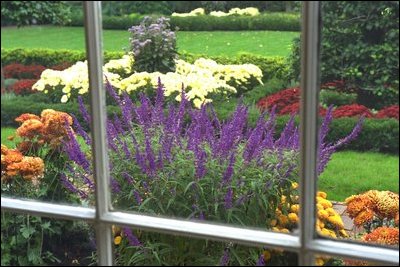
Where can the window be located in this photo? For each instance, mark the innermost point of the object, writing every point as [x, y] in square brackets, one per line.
[306, 244]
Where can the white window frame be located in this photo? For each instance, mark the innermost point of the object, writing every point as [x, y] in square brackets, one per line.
[307, 244]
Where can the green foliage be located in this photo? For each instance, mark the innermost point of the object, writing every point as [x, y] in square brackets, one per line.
[48, 57]
[360, 44]
[118, 8]
[270, 66]
[276, 21]
[34, 12]
[329, 97]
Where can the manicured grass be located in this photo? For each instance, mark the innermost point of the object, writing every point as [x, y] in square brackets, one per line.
[267, 43]
[350, 173]
[6, 132]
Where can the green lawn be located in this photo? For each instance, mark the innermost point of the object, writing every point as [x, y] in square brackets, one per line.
[347, 173]
[267, 43]
[350, 173]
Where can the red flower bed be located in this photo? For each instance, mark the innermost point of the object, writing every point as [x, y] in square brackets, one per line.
[351, 111]
[295, 108]
[281, 99]
[23, 87]
[389, 112]
[19, 71]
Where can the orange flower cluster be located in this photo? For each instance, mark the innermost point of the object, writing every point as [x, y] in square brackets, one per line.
[49, 128]
[365, 207]
[383, 236]
[13, 163]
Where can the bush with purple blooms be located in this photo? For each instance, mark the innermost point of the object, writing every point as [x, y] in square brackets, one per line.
[186, 163]
[153, 44]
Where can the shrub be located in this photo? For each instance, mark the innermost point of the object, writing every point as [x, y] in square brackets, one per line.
[328, 97]
[389, 112]
[153, 45]
[23, 87]
[19, 71]
[199, 168]
[362, 52]
[34, 12]
[265, 22]
[351, 111]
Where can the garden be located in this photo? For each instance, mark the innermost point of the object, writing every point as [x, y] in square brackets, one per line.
[202, 124]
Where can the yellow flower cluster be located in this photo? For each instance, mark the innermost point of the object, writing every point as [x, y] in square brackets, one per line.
[195, 12]
[74, 78]
[365, 207]
[200, 80]
[249, 11]
[120, 66]
[329, 223]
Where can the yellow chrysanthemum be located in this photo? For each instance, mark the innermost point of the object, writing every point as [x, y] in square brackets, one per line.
[322, 194]
[293, 217]
[323, 214]
[336, 220]
[267, 255]
[117, 240]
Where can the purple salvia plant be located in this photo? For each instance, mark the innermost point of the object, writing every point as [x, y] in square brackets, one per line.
[115, 186]
[228, 198]
[82, 109]
[138, 198]
[69, 186]
[226, 179]
[128, 178]
[225, 258]
[80, 131]
[261, 261]
[254, 140]
[132, 239]
[74, 152]
[200, 161]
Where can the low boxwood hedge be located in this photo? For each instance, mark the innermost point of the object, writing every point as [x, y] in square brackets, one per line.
[270, 66]
[274, 21]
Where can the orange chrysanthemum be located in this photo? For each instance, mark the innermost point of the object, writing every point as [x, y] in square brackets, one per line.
[396, 219]
[363, 217]
[30, 128]
[383, 235]
[387, 204]
[30, 168]
[356, 204]
[26, 116]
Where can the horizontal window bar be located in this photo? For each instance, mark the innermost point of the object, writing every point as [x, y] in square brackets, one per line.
[353, 250]
[47, 209]
[205, 230]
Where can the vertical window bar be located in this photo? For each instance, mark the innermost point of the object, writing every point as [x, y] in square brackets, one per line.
[310, 47]
[94, 52]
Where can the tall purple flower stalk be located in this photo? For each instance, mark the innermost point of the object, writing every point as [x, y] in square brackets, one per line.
[225, 258]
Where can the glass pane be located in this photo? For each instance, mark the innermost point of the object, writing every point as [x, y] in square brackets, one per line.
[225, 162]
[359, 161]
[38, 126]
[142, 248]
[33, 241]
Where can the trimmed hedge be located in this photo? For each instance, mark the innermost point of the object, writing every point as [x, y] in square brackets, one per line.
[275, 21]
[270, 66]
[380, 135]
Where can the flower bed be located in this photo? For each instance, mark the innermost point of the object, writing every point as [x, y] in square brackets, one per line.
[202, 80]
[187, 164]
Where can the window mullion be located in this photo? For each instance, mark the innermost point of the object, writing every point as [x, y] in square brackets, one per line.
[94, 52]
[310, 40]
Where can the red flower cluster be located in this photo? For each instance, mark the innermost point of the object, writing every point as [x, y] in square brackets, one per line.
[19, 71]
[352, 111]
[295, 108]
[389, 112]
[281, 99]
[23, 87]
